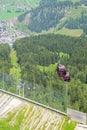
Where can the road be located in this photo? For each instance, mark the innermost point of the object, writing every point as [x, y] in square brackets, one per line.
[77, 115]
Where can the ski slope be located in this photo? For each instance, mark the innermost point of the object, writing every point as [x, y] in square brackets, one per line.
[34, 117]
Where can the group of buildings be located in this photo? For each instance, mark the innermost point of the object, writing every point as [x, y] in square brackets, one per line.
[8, 33]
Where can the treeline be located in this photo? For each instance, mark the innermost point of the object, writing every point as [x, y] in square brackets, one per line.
[44, 50]
[7, 81]
[5, 63]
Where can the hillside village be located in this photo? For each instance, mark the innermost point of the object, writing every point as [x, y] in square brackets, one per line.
[8, 33]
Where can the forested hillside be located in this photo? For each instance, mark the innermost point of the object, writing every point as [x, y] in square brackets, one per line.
[37, 57]
[56, 15]
[47, 15]
[37, 53]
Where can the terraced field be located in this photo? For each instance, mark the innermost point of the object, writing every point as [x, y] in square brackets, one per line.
[18, 114]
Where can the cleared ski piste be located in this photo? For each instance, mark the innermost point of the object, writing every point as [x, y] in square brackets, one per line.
[26, 114]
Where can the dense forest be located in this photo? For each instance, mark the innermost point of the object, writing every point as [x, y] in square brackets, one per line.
[38, 57]
[47, 15]
[44, 50]
[5, 63]
[50, 14]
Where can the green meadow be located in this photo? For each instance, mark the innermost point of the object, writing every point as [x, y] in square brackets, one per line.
[34, 1]
[9, 12]
[70, 32]
[71, 0]
[15, 70]
[12, 8]
[50, 68]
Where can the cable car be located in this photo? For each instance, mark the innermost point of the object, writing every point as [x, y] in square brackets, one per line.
[67, 77]
[61, 70]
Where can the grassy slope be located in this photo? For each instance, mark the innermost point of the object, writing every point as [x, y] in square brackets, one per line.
[34, 1]
[50, 68]
[74, 13]
[65, 31]
[71, 0]
[70, 32]
[15, 71]
[11, 6]
[5, 16]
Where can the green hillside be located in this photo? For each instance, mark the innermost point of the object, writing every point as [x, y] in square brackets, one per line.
[34, 17]
[38, 56]
[11, 8]
[34, 64]
[57, 31]
[48, 17]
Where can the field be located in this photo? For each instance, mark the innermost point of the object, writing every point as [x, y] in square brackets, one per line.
[65, 31]
[71, 0]
[12, 8]
[34, 1]
[9, 13]
[50, 68]
[24, 2]
[73, 32]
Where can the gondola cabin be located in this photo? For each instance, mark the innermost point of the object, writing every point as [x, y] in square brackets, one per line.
[67, 77]
[61, 70]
